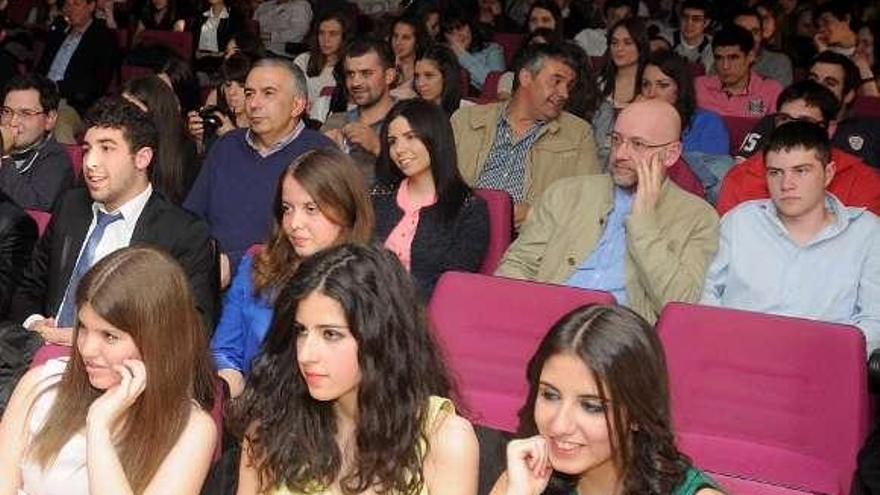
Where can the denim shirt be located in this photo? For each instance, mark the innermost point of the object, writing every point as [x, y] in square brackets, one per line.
[834, 277]
[605, 268]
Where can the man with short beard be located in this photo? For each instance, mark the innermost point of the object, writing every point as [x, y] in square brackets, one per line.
[369, 74]
[631, 232]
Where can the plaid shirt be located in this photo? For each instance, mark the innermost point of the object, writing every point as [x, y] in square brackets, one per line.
[505, 167]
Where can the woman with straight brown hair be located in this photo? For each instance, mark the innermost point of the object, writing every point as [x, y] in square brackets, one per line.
[321, 201]
[126, 413]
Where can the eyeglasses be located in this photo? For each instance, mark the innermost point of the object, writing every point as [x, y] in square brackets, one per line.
[636, 144]
[782, 118]
[7, 113]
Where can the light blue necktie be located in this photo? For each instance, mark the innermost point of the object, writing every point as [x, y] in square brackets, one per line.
[85, 261]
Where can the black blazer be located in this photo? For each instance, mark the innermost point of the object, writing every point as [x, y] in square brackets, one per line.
[179, 232]
[91, 67]
[18, 233]
[225, 29]
[438, 246]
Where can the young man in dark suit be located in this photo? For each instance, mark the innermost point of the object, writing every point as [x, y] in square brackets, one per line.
[117, 208]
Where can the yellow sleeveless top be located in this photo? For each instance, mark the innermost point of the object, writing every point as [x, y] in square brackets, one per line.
[437, 406]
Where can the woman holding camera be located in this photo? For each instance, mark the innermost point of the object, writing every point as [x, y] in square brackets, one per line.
[224, 109]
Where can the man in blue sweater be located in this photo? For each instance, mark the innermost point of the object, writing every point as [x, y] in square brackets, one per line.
[236, 185]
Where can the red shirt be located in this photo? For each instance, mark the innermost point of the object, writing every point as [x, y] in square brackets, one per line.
[854, 182]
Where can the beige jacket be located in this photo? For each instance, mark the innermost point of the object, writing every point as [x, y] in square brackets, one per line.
[668, 251]
[565, 147]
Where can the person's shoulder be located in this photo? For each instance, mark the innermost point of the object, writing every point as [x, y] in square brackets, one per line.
[578, 188]
[173, 214]
[747, 210]
[704, 116]
[227, 143]
[475, 115]
[449, 434]
[312, 139]
[707, 81]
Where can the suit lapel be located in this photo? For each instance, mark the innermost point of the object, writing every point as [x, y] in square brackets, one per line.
[144, 226]
[75, 232]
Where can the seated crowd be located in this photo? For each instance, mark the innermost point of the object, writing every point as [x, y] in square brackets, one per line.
[224, 223]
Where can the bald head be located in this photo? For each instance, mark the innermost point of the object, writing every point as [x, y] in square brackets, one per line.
[644, 130]
[654, 120]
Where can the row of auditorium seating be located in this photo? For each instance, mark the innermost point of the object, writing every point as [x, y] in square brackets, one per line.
[768, 405]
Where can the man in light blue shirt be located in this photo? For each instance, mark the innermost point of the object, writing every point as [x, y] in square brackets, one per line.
[802, 252]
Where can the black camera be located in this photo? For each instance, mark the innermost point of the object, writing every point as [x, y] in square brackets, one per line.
[210, 121]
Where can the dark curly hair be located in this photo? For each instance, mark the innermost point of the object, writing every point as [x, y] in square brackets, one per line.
[291, 436]
[118, 113]
[625, 357]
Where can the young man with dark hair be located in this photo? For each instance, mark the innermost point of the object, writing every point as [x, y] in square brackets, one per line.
[692, 41]
[117, 208]
[523, 145]
[801, 252]
[859, 135]
[854, 182]
[768, 63]
[370, 71]
[35, 169]
[833, 28]
[735, 89]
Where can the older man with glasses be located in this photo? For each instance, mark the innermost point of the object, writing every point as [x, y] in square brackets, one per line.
[854, 182]
[35, 169]
[631, 232]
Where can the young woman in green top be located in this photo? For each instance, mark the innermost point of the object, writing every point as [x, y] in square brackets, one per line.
[596, 421]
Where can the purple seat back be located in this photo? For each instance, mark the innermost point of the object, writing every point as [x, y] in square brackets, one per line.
[771, 398]
[510, 43]
[867, 106]
[500, 227]
[49, 351]
[41, 218]
[488, 328]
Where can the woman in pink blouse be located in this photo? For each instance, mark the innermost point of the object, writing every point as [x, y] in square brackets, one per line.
[425, 213]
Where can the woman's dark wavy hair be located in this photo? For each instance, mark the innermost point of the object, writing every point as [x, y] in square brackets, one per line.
[552, 7]
[290, 435]
[624, 355]
[447, 63]
[639, 33]
[432, 127]
[583, 99]
[423, 40]
[454, 19]
[678, 69]
[317, 60]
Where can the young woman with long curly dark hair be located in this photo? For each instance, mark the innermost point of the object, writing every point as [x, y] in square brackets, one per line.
[349, 393]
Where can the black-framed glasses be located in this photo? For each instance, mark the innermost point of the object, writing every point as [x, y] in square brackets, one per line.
[636, 144]
[7, 113]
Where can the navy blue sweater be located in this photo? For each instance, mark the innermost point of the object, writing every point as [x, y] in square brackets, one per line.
[235, 189]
